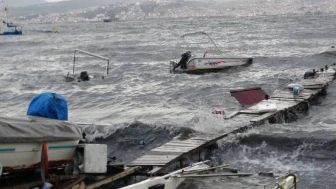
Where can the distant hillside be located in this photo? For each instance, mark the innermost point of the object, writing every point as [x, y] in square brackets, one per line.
[22, 3]
[93, 10]
[61, 7]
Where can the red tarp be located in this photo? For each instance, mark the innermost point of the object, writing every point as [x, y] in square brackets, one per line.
[249, 96]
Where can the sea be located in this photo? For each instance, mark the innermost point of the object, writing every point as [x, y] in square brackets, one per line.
[141, 105]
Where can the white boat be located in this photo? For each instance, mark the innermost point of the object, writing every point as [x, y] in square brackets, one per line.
[169, 181]
[23, 141]
[174, 179]
[207, 63]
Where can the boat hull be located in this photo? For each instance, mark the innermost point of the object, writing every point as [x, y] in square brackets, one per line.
[212, 64]
[107, 20]
[12, 33]
[22, 156]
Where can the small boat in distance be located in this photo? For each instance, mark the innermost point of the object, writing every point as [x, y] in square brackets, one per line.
[108, 18]
[197, 65]
[11, 29]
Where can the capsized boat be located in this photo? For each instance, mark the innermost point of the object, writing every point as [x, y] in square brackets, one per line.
[194, 64]
[84, 76]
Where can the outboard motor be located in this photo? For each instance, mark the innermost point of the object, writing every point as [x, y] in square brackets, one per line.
[309, 74]
[184, 59]
[84, 76]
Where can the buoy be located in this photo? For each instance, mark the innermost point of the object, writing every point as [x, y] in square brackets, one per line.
[296, 90]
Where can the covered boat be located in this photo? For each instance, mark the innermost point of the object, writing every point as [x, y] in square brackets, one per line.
[22, 141]
[44, 135]
[196, 64]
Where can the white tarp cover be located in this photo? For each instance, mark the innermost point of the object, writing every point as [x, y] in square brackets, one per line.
[31, 129]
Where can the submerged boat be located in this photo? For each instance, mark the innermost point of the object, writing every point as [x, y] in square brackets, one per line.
[168, 181]
[201, 170]
[194, 65]
[84, 76]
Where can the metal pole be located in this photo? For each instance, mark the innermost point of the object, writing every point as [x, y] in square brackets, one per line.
[207, 36]
[74, 62]
[214, 43]
[94, 55]
[108, 67]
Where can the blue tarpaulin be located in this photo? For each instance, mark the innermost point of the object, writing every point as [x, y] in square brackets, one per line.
[49, 105]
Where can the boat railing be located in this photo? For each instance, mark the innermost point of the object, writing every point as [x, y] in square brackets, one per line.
[203, 33]
[93, 55]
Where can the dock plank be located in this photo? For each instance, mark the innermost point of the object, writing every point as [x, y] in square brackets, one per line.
[163, 153]
[263, 117]
[157, 156]
[188, 142]
[287, 96]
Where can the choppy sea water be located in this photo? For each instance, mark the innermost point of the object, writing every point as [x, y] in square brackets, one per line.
[144, 102]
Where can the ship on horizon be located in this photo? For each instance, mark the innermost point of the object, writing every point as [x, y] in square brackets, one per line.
[108, 18]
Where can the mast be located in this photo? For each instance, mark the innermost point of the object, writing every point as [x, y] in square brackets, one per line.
[6, 9]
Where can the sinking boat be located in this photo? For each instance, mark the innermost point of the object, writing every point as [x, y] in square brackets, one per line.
[201, 170]
[84, 75]
[195, 65]
[168, 181]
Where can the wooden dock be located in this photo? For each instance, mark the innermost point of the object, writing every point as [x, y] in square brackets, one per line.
[176, 150]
